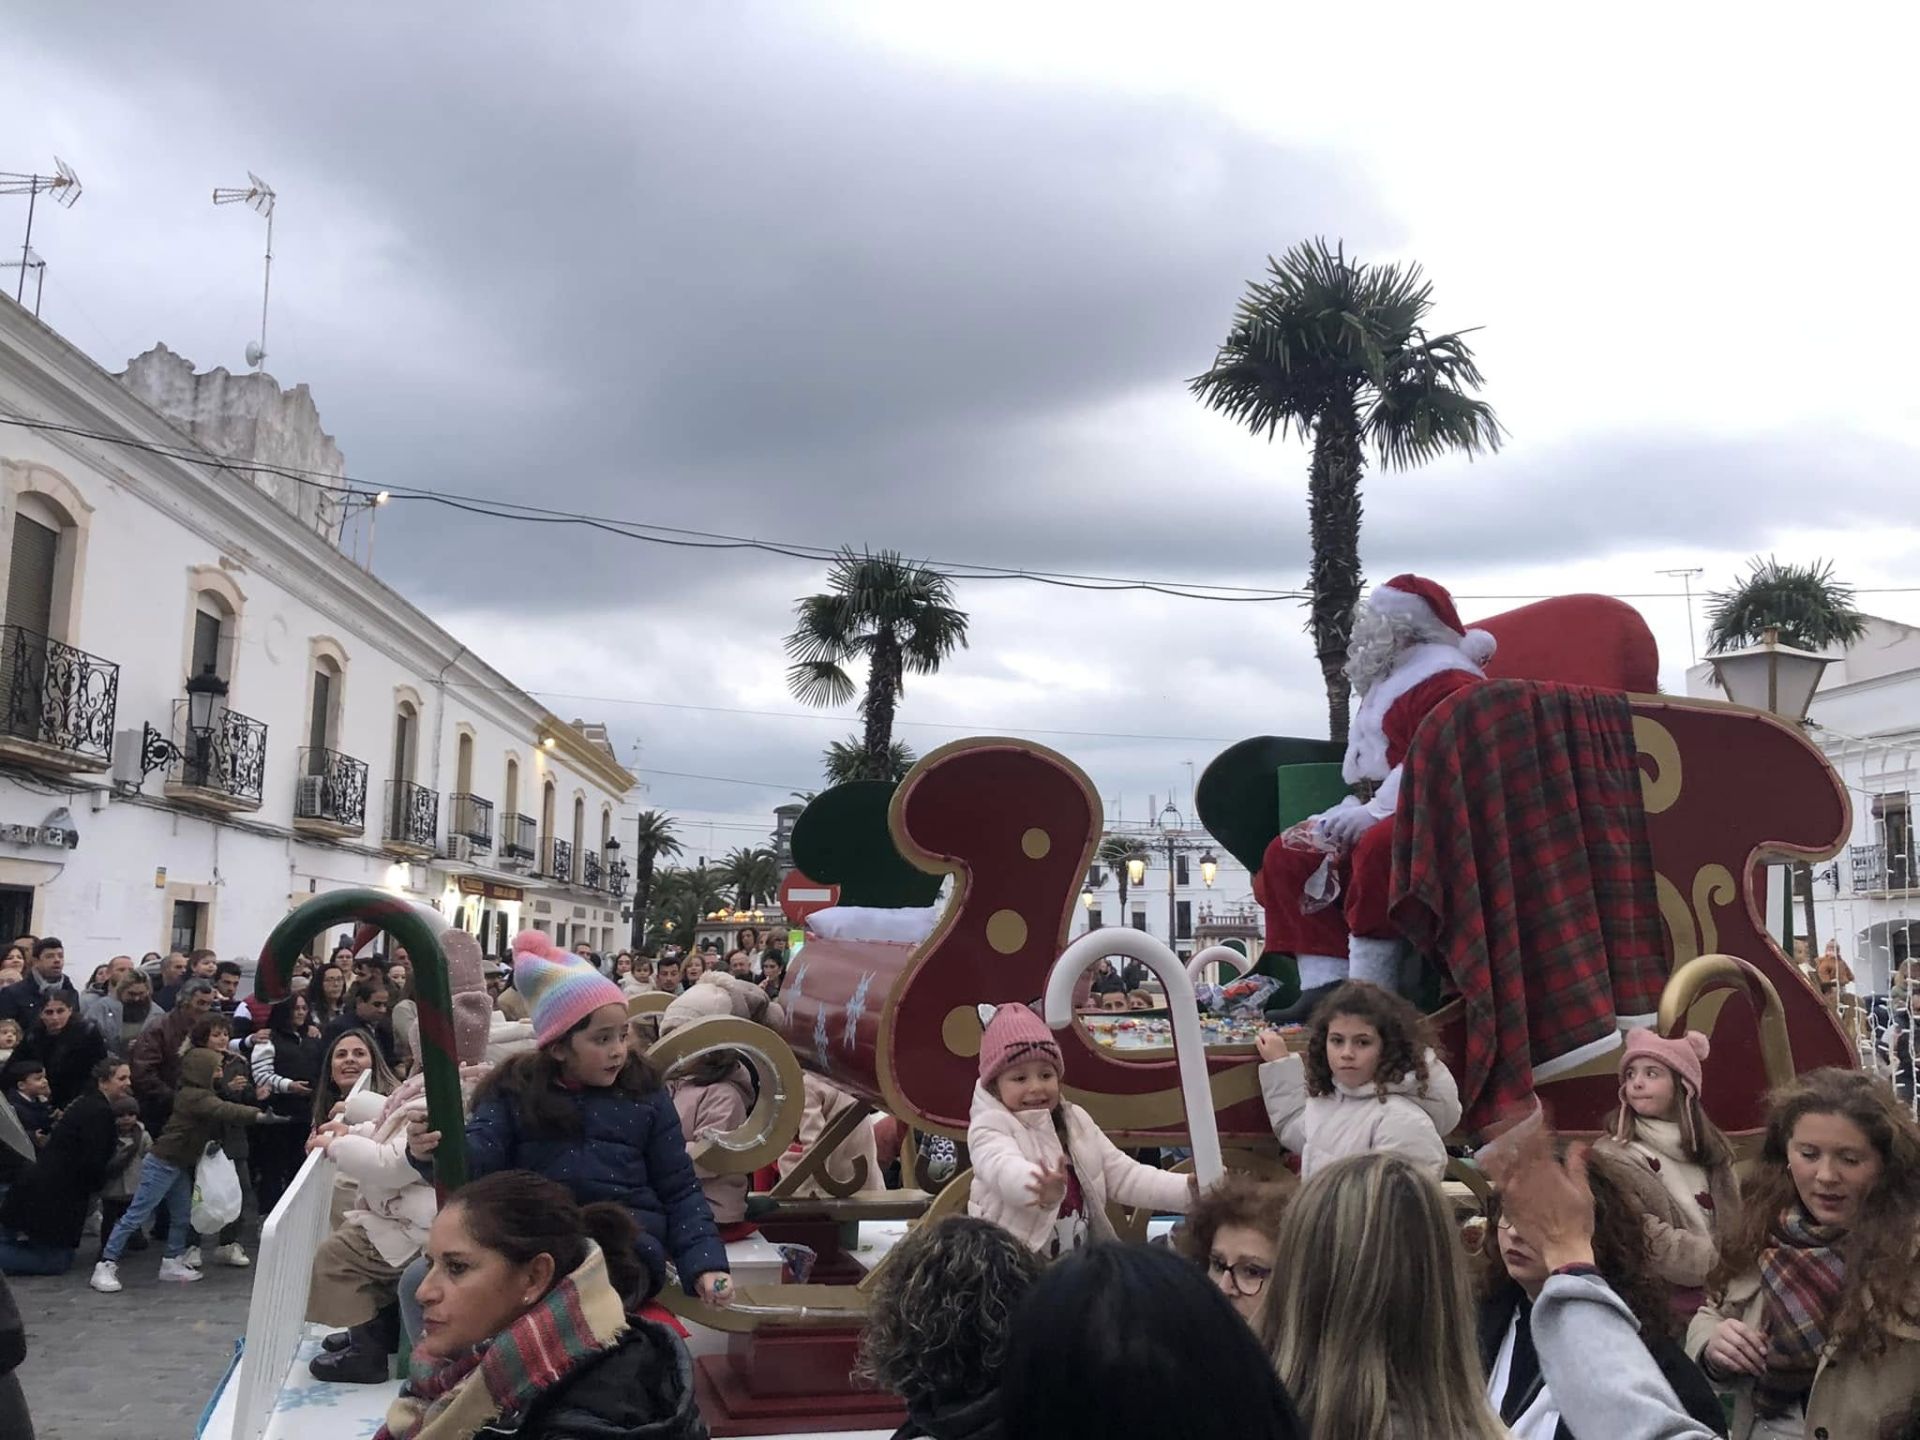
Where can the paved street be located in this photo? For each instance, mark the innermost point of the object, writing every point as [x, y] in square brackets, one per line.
[140, 1365]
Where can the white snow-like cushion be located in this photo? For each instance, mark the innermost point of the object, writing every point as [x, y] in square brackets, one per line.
[869, 922]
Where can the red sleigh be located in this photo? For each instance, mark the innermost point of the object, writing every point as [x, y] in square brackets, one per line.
[1722, 788]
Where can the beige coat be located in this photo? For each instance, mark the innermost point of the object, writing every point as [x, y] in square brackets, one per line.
[823, 1103]
[1009, 1150]
[1323, 1128]
[1851, 1397]
[1683, 1253]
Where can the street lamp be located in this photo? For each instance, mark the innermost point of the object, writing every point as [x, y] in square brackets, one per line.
[1136, 867]
[1086, 897]
[206, 694]
[1772, 677]
[1170, 825]
[1209, 867]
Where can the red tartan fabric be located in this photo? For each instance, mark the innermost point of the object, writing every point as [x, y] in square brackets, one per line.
[1521, 865]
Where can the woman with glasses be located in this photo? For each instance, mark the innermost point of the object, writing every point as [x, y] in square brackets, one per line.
[1232, 1232]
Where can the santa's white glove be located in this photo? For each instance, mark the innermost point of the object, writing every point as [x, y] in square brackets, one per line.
[1348, 823]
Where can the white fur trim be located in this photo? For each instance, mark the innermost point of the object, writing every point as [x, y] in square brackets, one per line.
[1367, 739]
[1575, 1058]
[1478, 646]
[1318, 970]
[1375, 960]
[1389, 600]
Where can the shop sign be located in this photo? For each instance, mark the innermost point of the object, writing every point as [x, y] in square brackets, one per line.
[57, 837]
[490, 890]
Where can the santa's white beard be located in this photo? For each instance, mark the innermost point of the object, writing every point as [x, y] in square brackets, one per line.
[1371, 650]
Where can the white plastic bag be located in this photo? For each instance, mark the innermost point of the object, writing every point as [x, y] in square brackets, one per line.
[216, 1192]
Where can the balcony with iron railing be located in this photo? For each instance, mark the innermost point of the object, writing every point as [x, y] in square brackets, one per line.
[413, 818]
[470, 818]
[1880, 870]
[223, 766]
[519, 837]
[330, 794]
[57, 704]
[590, 876]
[556, 860]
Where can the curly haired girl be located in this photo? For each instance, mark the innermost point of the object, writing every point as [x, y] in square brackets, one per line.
[937, 1329]
[1370, 1080]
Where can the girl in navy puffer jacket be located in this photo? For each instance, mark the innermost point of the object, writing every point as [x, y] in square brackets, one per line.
[587, 1111]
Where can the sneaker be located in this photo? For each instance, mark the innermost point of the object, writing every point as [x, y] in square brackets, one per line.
[106, 1278]
[191, 1256]
[177, 1270]
[232, 1255]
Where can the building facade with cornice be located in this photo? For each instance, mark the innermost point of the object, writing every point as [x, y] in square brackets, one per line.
[208, 713]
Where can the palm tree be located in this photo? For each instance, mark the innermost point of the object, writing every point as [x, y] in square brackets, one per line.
[655, 841]
[896, 615]
[1804, 603]
[687, 895]
[753, 874]
[1114, 852]
[846, 760]
[1335, 351]
[1810, 610]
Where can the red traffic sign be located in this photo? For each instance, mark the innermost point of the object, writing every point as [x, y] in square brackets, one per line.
[800, 897]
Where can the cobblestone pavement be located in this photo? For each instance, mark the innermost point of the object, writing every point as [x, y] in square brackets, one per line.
[140, 1365]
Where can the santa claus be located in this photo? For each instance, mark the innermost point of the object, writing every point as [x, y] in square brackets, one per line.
[1327, 907]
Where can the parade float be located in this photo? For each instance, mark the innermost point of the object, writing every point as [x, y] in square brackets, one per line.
[1570, 851]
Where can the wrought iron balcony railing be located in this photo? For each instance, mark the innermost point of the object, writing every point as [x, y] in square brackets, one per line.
[1879, 868]
[590, 869]
[332, 788]
[472, 818]
[556, 859]
[413, 814]
[229, 757]
[518, 835]
[617, 878]
[54, 695]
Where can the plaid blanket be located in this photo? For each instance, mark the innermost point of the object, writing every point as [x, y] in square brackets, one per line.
[1521, 866]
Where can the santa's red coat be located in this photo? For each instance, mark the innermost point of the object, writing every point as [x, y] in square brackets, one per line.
[1365, 874]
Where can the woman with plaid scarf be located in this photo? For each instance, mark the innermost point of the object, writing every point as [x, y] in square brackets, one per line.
[526, 1333]
[1814, 1323]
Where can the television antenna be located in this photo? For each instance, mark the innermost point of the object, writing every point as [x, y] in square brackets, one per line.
[259, 197]
[63, 185]
[34, 263]
[1686, 579]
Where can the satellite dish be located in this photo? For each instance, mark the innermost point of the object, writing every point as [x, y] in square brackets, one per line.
[255, 354]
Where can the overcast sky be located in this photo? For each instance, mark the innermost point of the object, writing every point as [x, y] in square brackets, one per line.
[933, 277]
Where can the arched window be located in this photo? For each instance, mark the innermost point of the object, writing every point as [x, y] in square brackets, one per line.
[546, 813]
[43, 550]
[406, 741]
[510, 795]
[463, 764]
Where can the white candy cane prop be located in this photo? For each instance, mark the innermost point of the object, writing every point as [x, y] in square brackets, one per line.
[1189, 1050]
[1218, 955]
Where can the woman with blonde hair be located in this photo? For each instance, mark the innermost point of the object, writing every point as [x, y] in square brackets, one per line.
[1373, 1332]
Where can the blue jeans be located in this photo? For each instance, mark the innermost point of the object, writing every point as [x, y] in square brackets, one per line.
[30, 1257]
[158, 1181]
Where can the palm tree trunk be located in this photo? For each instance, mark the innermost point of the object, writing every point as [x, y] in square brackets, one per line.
[1120, 874]
[642, 896]
[883, 695]
[1333, 526]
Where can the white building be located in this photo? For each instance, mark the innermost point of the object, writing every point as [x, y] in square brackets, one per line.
[1866, 718]
[341, 738]
[1188, 915]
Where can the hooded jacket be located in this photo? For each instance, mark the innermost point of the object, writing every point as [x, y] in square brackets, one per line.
[640, 1389]
[1355, 1121]
[975, 1419]
[1009, 1150]
[199, 1115]
[715, 1108]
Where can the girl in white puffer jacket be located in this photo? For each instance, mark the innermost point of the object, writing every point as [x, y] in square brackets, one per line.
[1041, 1168]
[1370, 1080]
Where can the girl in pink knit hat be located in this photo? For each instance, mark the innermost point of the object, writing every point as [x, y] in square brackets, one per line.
[1688, 1189]
[1041, 1168]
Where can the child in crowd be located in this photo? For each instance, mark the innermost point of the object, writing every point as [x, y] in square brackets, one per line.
[584, 1109]
[132, 1143]
[9, 1040]
[1041, 1167]
[712, 1093]
[31, 1095]
[1370, 1080]
[1685, 1165]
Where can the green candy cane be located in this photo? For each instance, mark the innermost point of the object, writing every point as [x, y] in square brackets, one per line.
[273, 981]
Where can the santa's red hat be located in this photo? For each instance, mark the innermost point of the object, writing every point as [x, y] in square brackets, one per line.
[1431, 607]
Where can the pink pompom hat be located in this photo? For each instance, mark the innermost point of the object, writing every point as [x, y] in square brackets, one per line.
[1683, 1056]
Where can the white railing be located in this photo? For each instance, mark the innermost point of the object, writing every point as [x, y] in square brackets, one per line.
[277, 1315]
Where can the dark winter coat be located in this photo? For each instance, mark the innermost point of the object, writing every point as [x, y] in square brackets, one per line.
[626, 1148]
[50, 1201]
[236, 1084]
[15, 1423]
[22, 1000]
[155, 1060]
[1690, 1386]
[200, 1117]
[69, 1057]
[975, 1419]
[641, 1389]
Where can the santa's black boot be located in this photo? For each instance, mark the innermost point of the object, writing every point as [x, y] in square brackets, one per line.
[1301, 1010]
